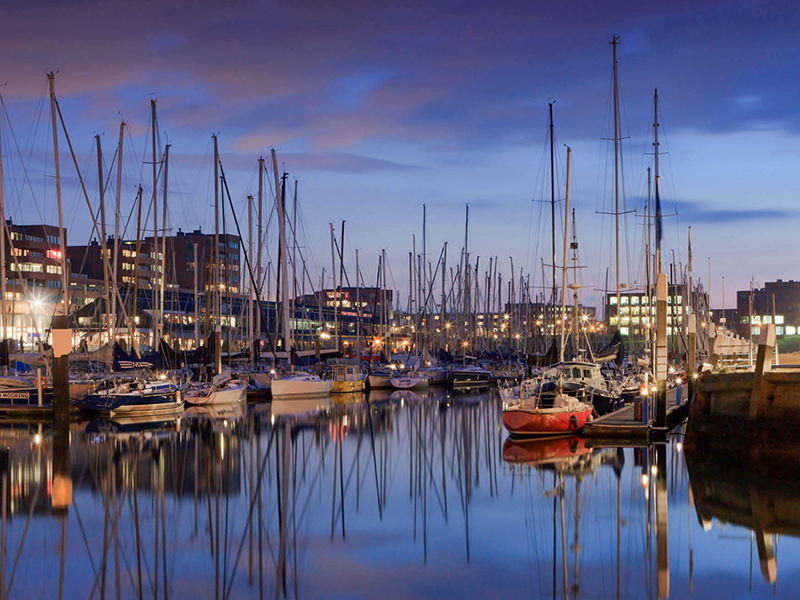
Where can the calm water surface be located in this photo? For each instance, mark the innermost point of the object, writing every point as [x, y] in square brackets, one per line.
[403, 496]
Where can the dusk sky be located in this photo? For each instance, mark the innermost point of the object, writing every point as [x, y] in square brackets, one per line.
[378, 108]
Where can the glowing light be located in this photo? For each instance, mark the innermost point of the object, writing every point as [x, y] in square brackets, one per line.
[272, 372]
[37, 439]
[645, 480]
[695, 376]
[679, 381]
[678, 446]
[447, 325]
[654, 470]
[653, 389]
[163, 376]
[466, 344]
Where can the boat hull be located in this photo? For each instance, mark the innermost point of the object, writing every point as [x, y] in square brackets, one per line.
[282, 388]
[522, 421]
[379, 382]
[230, 395]
[406, 383]
[347, 387]
[471, 379]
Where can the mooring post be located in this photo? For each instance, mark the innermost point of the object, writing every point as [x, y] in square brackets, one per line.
[766, 345]
[62, 346]
[661, 351]
[691, 356]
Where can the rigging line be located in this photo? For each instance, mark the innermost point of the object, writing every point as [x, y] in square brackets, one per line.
[22, 160]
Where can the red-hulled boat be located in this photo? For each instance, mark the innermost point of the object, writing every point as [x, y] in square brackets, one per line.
[568, 415]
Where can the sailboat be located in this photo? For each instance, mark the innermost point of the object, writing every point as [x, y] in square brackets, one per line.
[295, 384]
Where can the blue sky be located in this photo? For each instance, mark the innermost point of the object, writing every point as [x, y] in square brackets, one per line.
[377, 108]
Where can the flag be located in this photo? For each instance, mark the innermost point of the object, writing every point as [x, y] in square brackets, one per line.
[690, 248]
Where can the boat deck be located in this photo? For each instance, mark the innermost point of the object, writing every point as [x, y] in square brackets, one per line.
[622, 425]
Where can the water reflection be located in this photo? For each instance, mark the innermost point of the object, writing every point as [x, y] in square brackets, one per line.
[411, 494]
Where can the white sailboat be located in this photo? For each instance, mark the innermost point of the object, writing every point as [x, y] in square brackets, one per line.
[294, 385]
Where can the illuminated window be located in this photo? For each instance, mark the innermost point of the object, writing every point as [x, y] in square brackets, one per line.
[624, 300]
[778, 330]
[635, 300]
[623, 310]
[791, 330]
[755, 330]
[613, 301]
[613, 321]
[779, 319]
[766, 319]
[623, 330]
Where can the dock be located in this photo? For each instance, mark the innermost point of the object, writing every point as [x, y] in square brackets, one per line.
[623, 426]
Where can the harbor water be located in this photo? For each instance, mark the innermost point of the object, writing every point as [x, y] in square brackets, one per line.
[393, 495]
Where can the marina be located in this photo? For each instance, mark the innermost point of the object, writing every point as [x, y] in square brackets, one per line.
[463, 300]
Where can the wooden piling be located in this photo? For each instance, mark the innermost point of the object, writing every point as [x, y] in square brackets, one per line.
[766, 346]
[62, 345]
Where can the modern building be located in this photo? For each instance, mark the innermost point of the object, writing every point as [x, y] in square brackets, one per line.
[777, 302]
[34, 280]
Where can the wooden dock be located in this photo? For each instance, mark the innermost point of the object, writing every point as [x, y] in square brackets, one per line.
[623, 425]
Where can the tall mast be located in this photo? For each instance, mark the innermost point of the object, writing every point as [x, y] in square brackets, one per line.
[157, 319]
[287, 337]
[358, 311]
[564, 265]
[553, 214]
[575, 285]
[163, 274]
[259, 241]
[103, 222]
[250, 315]
[116, 236]
[658, 199]
[614, 42]
[216, 266]
[335, 305]
[134, 330]
[61, 234]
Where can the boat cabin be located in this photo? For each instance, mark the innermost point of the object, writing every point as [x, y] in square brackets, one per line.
[346, 373]
[582, 373]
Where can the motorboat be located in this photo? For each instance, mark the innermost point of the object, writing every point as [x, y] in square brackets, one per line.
[135, 397]
[347, 379]
[301, 384]
[471, 376]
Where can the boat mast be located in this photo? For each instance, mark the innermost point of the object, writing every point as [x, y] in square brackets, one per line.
[134, 330]
[657, 178]
[157, 317]
[287, 334]
[216, 275]
[259, 277]
[575, 285]
[614, 42]
[250, 314]
[61, 235]
[335, 304]
[103, 222]
[116, 237]
[163, 274]
[553, 215]
[564, 264]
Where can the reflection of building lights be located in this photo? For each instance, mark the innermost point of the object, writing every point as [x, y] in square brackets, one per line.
[37, 439]
[678, 446]
[466, 344]
[645, 480]
[654, 470]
